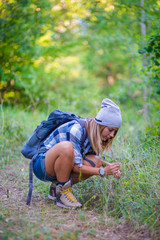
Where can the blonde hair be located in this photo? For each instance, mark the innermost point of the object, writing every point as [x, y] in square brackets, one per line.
[94, 131]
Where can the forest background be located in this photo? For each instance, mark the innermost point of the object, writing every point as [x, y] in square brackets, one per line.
[69, 55]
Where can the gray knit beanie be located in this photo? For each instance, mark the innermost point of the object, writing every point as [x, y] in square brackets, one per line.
[109, 115]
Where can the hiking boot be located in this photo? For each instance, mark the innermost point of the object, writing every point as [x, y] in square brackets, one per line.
[52, 190]
[65, 198]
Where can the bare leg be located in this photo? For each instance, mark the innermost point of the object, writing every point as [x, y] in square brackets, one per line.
[79, 177]
[59, 161]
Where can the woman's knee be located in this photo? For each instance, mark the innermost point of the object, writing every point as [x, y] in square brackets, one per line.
[95, 159]
[66, 149]
[99, 162]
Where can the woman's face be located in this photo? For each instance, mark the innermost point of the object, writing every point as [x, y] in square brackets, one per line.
[108, 133]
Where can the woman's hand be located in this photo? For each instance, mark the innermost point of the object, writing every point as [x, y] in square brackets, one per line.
[112, 169]
[118, 175]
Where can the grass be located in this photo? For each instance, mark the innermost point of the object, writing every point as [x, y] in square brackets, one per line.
[112, 208]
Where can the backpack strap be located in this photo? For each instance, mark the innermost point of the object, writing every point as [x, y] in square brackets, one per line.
[30, 181]
[84, 135]
[90, 161]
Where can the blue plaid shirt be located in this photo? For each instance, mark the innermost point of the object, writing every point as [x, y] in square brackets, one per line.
[71, 131]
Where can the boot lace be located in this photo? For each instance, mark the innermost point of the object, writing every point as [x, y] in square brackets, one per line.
[69, 194]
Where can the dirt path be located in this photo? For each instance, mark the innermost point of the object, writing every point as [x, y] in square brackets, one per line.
[44, 221]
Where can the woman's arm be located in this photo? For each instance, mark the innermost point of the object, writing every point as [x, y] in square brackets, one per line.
[110, 169]
[86, 170]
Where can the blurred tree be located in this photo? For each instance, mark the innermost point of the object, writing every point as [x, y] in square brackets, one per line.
[52, 50]
[20, 26]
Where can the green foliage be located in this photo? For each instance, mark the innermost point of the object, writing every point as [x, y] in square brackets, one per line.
[152, 52]
[21, 23]
[51, 50]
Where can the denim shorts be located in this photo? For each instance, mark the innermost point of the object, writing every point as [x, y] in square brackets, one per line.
[39, 169]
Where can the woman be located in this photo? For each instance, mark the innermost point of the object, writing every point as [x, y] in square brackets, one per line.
[63, 163]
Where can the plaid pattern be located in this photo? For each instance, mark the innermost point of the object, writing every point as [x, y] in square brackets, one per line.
[70, 131]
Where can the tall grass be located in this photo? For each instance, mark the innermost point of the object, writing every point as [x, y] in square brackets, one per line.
[135, 197]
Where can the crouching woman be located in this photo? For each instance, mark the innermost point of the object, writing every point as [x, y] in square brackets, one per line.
[63, 164]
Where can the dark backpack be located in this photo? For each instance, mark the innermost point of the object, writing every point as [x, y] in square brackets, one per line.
[33, 146]
[55, 119]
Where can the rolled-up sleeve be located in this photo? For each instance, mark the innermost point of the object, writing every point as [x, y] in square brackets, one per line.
[75, 138]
